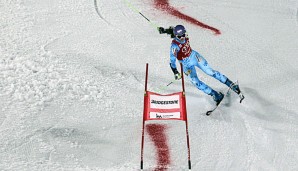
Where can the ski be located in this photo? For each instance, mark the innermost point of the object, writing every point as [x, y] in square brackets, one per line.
[210, 111]
[241, 96]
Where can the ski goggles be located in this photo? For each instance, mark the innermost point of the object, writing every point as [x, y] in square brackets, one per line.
[179, 37]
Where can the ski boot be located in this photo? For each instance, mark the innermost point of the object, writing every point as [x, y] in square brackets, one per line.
[235, 87]
[217, 97]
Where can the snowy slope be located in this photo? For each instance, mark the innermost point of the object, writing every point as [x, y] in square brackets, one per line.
[72, 81]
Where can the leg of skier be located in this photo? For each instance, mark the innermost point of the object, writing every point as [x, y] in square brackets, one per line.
[204, 66]
[192, 74]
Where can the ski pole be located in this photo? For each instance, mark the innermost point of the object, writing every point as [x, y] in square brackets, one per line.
[170, 83]
[137, 11]
[161, 89]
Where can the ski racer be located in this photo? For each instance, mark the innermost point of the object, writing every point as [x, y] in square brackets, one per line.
[181, 50]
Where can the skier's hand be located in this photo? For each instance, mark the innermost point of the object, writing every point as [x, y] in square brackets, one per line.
[177, 76]
[161, 30]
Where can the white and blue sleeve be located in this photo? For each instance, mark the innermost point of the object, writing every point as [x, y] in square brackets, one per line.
[173, 55]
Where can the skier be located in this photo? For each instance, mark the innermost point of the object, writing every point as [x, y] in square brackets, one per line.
[181, 50]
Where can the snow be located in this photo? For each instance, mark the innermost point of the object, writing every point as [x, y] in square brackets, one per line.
[72, 82]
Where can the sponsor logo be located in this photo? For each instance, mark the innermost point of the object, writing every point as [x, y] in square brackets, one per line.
[198, 58]
[164, 116]
[186, 48]
[174, 51]
[174, 115]
[158, 116]
[188, 72]
[164, 102]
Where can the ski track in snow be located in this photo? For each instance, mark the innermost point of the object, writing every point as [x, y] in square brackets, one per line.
[98, 12]
[297, 16]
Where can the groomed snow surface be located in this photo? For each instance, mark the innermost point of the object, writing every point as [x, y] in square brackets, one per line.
[72, 84]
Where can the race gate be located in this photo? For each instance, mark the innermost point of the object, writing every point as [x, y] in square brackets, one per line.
[164, 107]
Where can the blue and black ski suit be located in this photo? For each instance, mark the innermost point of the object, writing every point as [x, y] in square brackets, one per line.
[190, 59]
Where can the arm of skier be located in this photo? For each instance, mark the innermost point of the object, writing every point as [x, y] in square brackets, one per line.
[167, 31]
[173, 56]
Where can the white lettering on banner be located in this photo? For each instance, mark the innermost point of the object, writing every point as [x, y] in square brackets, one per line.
[164, 102]
[156, 115]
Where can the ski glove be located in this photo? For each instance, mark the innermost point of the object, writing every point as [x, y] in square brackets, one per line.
[161, 30]
[169, 30]
[176, 73]
[177, 76]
